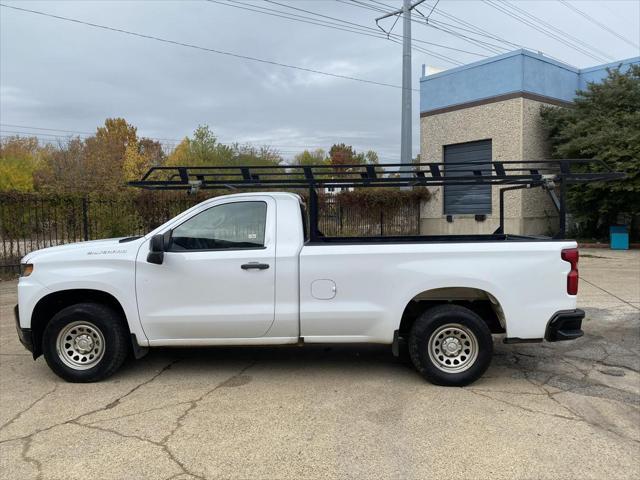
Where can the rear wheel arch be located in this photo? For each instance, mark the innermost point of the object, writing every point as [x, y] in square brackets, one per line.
[478, 300]
[49, 305]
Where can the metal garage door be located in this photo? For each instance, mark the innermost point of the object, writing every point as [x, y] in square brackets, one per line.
[463, 199]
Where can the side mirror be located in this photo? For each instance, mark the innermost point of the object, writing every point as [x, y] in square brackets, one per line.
[156, 250]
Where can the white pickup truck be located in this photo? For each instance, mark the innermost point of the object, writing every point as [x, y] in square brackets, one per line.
[240, 270]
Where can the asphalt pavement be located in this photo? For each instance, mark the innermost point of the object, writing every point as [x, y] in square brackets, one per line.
[542, 411]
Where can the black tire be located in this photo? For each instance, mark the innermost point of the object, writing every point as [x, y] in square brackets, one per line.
[455, 327]
[86, 323]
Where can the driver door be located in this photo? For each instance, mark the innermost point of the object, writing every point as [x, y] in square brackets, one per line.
[217, 279]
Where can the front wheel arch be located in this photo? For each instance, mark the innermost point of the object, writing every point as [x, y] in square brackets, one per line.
[49, 305]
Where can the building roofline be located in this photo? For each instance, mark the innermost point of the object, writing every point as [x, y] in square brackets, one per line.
[497, 58]
[626, 61]
[503, 75]
[529, 53]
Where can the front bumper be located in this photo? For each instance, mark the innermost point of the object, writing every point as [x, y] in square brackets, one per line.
[24, 334]
[565, 325]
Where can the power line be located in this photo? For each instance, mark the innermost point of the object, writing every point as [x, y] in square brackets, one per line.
[206, 49]
[432, 9]
[47, 129]
[350, 28]
[77, 131]
[298, 18]
[504, 8]
[167, 140]
[370, 31]
[47, 137]
[559, 31]
[374, 30]
[598, 23]
[322, 15]
[280, 149]
[363, 5]
[491, 47]
[39, 135]
[480, 43]
[439, 25]
[396, 38]
[471, 28]
[475, 30]
[546, 25]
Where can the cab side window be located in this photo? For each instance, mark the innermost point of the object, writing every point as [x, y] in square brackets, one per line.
[239, 225]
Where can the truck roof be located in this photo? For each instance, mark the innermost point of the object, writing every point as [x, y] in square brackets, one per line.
[276, 195]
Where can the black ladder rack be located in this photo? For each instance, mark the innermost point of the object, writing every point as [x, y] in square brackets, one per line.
[508, 174]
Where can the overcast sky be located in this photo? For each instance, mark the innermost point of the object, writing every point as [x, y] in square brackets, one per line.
[67, 76]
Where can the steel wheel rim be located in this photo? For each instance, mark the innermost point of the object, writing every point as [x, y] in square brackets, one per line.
[453, 348]
[80, 345]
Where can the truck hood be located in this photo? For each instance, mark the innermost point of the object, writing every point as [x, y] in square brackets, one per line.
[120, 245]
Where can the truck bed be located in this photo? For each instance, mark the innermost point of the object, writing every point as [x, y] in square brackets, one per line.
[358, 290]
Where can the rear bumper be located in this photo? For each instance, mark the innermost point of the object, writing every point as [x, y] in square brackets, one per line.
[565, 325]
[24, 334]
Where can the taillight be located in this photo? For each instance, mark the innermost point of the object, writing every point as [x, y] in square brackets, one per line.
[571, 255]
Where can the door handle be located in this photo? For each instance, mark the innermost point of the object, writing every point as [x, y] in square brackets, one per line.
[254, 266]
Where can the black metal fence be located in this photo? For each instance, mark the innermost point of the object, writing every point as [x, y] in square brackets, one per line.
[338, 220]
[32, 221]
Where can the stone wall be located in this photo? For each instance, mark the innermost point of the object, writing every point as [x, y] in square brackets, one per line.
[539, 215]
[515, 130]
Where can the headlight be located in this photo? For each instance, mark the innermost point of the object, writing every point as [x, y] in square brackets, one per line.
[26, 269]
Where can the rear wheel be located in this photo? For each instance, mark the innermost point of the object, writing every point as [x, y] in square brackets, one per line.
[450, 345]
[86, 342]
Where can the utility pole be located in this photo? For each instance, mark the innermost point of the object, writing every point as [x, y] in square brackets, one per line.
[406, 133]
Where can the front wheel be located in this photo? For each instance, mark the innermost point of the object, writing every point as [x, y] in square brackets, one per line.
[450, 345]
[86, 342]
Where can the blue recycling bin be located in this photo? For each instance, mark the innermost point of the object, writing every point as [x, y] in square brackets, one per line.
[619, 237]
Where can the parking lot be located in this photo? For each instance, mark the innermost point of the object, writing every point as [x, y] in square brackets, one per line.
[564, 410]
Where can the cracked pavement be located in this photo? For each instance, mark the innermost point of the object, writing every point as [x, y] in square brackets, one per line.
[563, 410]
